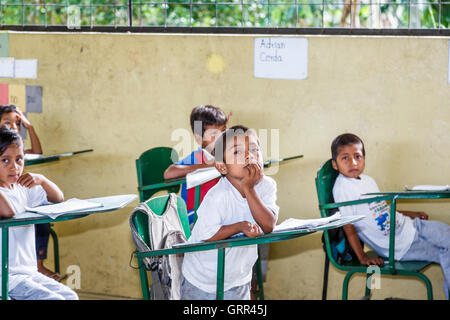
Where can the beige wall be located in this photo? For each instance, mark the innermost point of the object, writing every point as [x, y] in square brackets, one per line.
[122, 94]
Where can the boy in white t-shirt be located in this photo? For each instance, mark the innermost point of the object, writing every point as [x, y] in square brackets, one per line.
[416, 238]
[244, 200]
[17, 191]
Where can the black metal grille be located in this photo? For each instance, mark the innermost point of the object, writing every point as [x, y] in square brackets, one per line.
[315, 16]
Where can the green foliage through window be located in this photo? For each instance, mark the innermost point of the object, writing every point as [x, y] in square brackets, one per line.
[392, 14]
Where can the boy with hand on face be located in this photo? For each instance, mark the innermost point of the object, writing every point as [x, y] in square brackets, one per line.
[244, 200]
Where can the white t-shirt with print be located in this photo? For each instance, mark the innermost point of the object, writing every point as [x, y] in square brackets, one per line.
[22, 247]
[374, 229]
[224, 205]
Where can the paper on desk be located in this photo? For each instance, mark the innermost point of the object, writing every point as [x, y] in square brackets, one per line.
[294, 224]
[201, 176]
[72, 205]
[430, 188]
[32, 156]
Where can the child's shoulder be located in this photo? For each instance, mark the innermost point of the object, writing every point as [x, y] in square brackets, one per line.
[345, 185]
[346, 182]
[219, 191]
[193, 158]
[362, 178]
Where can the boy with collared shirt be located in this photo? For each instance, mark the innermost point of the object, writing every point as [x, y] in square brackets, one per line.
[244, 200]
[416, 238]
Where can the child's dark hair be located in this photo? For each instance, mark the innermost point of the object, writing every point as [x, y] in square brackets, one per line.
[7, 138]
[208, 115]
[7, 108]
[221, 141]
[345, 140]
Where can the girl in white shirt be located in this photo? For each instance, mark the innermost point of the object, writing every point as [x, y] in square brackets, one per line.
[18, 190]
[244, 200]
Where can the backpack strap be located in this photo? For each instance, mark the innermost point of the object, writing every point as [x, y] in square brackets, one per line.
[149, 262]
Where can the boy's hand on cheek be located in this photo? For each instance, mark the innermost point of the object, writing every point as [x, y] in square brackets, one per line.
[29, 180]
[254, 174]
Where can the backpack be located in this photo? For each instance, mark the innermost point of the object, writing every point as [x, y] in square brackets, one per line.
[340, 247]
[165, 230]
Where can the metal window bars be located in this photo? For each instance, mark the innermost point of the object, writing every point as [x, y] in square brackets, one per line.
[241, 14]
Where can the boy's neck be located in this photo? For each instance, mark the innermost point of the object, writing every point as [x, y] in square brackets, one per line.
[7, 185]
[236, 184]
[357, 178]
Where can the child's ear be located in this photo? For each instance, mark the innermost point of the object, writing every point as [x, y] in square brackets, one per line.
[334, 164]
[221, 167]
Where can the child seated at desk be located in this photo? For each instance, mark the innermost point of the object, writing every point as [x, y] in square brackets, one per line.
[17, 191]
[244, 200]
[207, 122]
[416, 238]
[12, 117]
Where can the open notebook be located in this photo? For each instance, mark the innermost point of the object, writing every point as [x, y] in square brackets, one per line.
[427, 187]
[57, 209]
[32, 156]
[201, 176]
[295, 224]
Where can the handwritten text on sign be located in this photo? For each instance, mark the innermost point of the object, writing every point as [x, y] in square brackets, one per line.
[281, 58]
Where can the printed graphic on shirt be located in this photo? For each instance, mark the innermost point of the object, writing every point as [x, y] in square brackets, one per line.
[380, 213]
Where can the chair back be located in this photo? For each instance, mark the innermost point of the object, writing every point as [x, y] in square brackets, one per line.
[150, 169]
[158, 206]
[326, 176]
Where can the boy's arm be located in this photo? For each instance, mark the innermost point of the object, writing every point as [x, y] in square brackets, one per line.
[415, 214]
[6, 210]
[29, 180]
[180, 170]
[353, 239]
[265, 218]
[35, 143]
[262, 215]
[250, 230]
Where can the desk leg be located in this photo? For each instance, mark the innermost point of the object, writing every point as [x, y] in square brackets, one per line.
[220, 272]
[5, 248]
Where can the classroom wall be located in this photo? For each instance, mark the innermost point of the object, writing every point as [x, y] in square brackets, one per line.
[122, 94]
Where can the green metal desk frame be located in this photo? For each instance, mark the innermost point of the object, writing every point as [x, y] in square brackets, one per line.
[110, 203]
[56, 157]
[222, 245]
[393, 267]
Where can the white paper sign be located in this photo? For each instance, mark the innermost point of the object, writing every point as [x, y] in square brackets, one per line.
[281, 58]
[26, 68]
[6, 67]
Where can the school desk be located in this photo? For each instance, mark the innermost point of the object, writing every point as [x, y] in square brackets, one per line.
[44, 159]
[109, 203]
[407, 195]
[222, 245]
